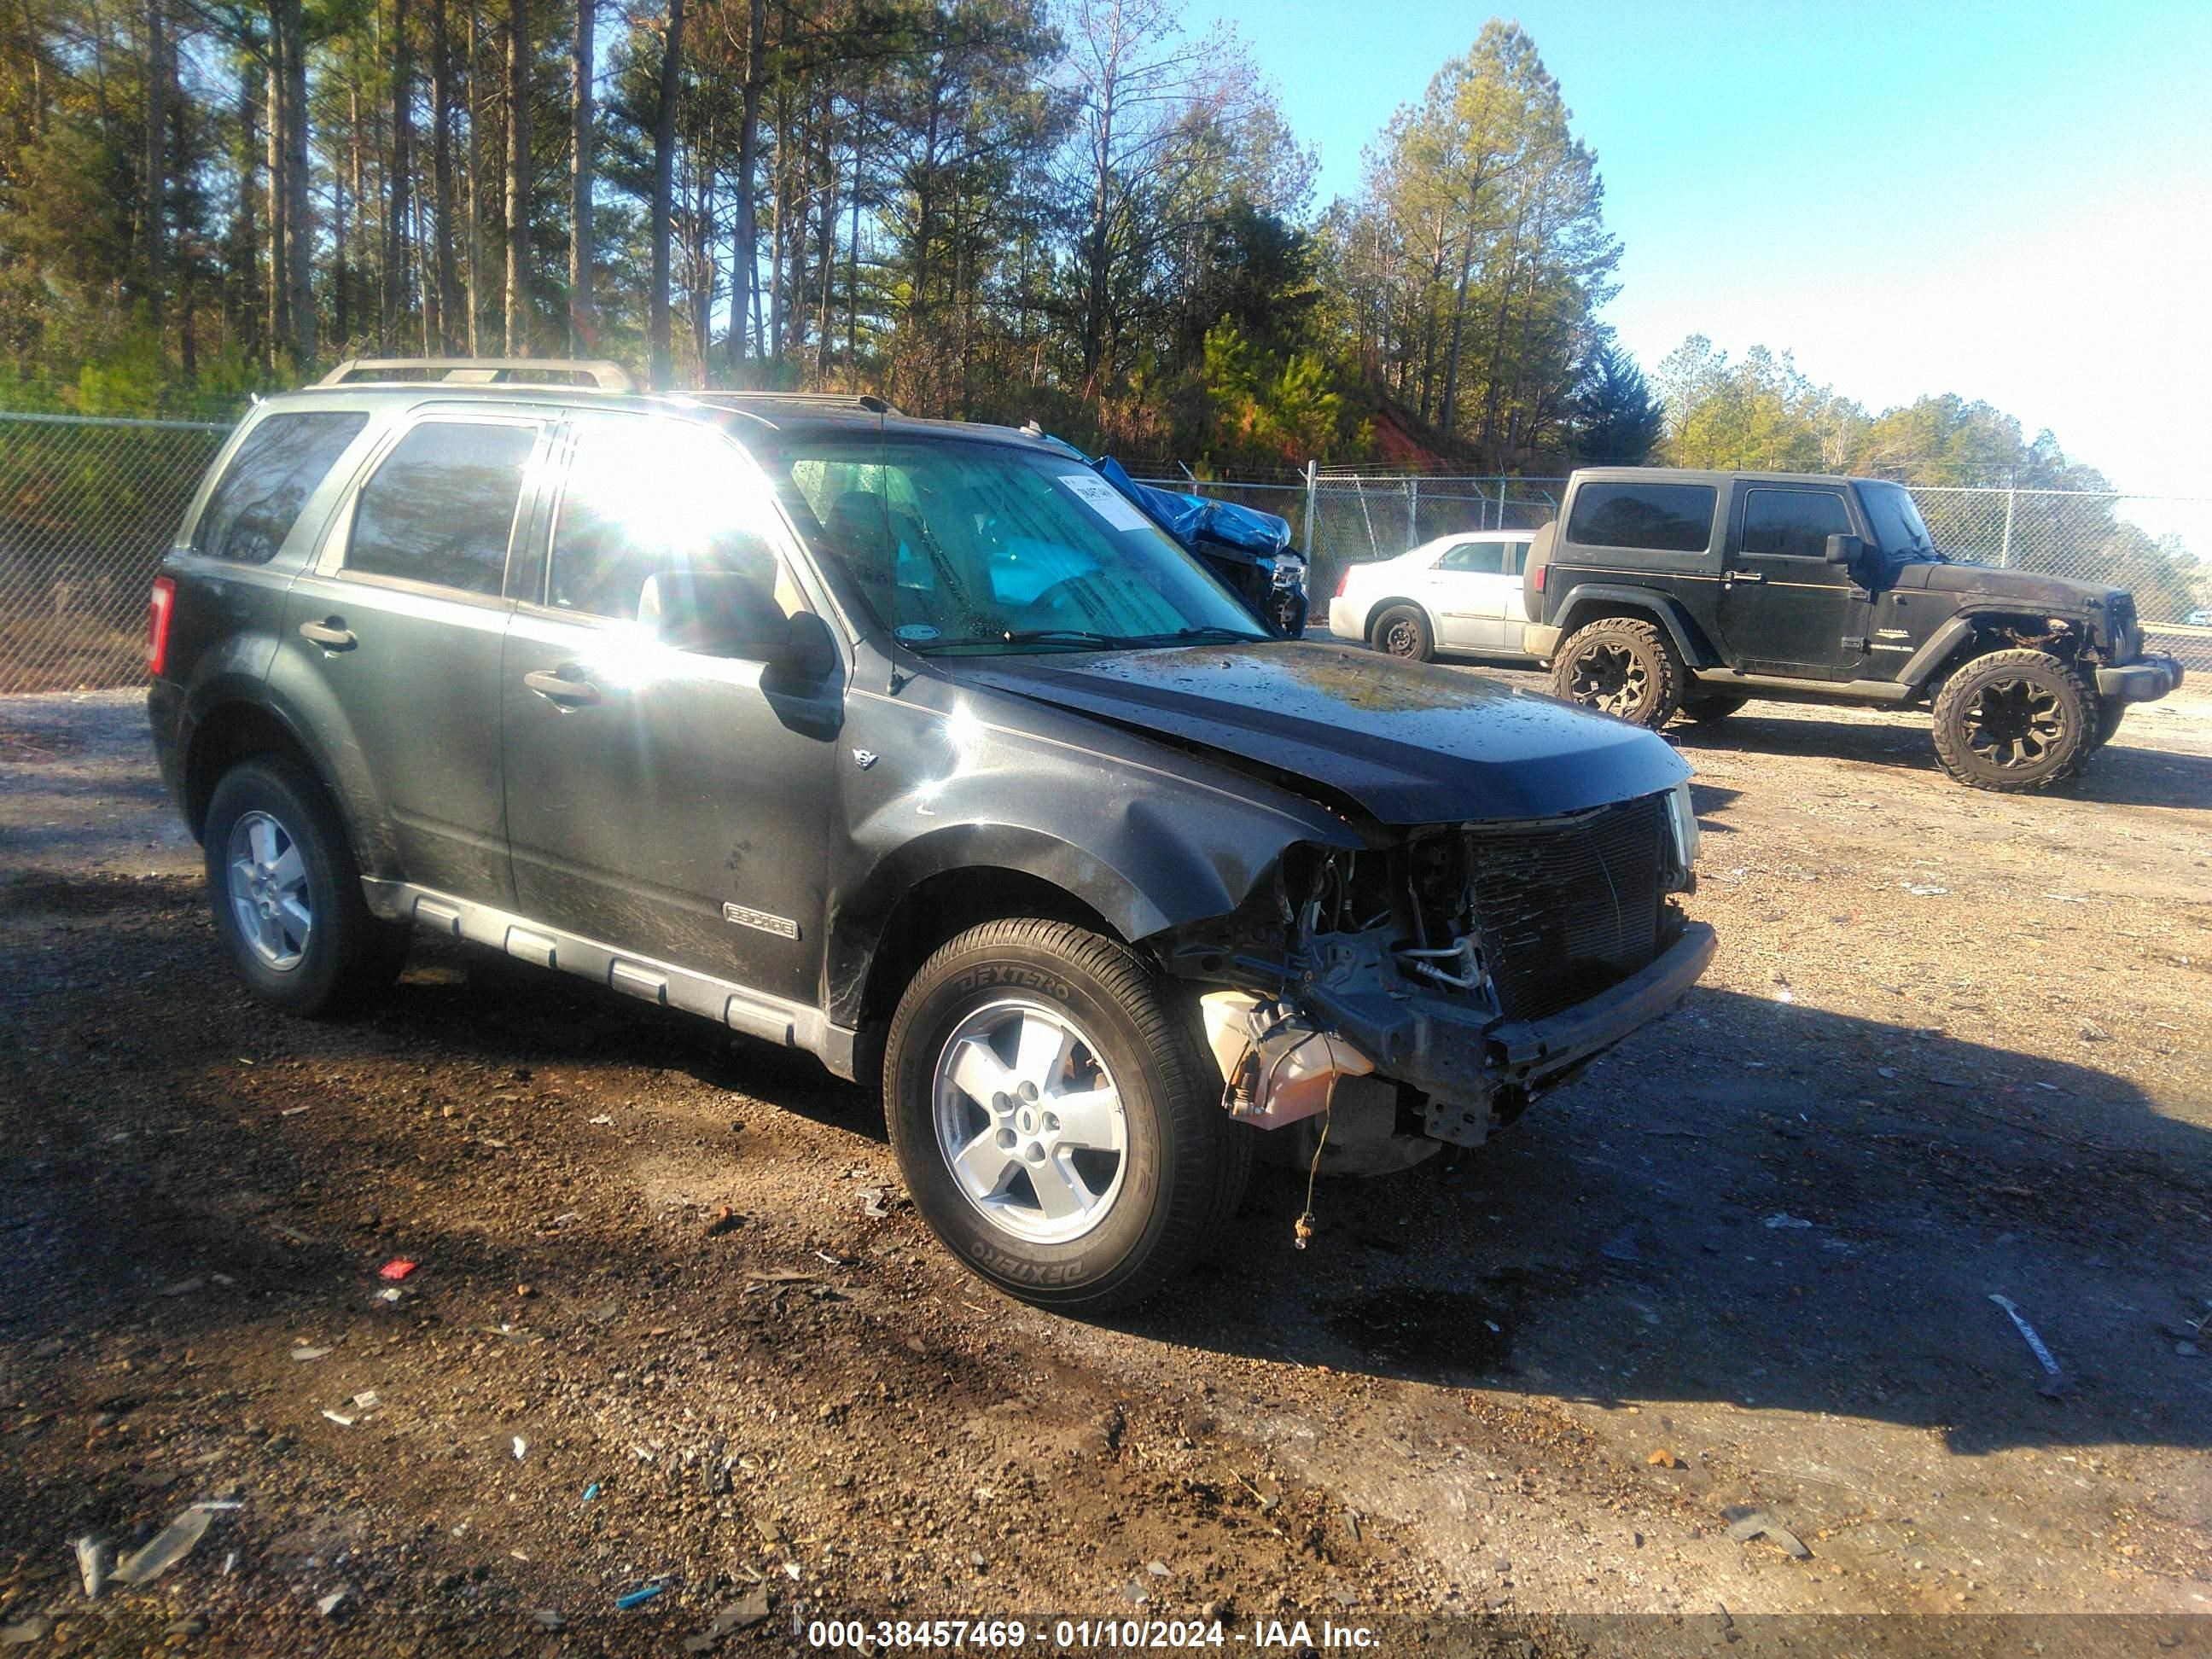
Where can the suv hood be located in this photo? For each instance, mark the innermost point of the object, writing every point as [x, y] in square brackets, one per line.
[1408, 743]
[2026, 586]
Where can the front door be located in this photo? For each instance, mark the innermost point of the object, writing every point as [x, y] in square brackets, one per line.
[667, 802]
[402, 621]
[1785, 609]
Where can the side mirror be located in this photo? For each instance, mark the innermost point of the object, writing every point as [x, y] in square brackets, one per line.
[809, 650]
[723, 613]
[1845, 550]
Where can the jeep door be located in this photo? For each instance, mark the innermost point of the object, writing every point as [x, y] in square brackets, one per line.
[1785, 609]
[392, 642]
[671, 802]
[1471, 588]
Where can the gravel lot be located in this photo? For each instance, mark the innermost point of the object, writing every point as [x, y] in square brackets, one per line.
[1955, 1046]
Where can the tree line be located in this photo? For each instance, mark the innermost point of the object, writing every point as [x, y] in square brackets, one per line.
[1081, 211]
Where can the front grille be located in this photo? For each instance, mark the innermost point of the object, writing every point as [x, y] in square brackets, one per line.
[1570, 908]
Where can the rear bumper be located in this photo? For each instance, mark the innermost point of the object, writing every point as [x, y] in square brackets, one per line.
[1347, 620]
[1539, 640]
[165, 718]
[2144, 680]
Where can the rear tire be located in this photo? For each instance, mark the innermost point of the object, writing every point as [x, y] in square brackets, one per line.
[286, 894]
[1623, 666]
[2015, 721]
[1058, 1123]
[1403, 631]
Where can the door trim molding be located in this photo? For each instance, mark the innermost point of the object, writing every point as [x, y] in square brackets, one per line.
[752, 1013]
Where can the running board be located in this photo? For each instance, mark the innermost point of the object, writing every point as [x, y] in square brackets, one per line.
[1754, 685]
[772, 1019]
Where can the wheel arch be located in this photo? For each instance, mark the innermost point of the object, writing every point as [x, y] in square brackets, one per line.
[1593, 602]
[1383, 608]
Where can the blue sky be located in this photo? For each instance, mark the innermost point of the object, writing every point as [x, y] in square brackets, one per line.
[2012, 202]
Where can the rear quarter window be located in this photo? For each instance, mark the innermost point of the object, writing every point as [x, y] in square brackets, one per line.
[279, 465]
[441, 507]
[1662, 517]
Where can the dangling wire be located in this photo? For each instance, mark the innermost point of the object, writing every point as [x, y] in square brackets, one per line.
[1303, 1230]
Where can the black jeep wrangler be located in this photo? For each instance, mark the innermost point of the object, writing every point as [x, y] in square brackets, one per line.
[1658, 591]
[916, 746]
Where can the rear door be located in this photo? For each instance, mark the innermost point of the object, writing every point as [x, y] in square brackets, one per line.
[397, 628]
[1471, 584]
[1784, 610]
[677, 805]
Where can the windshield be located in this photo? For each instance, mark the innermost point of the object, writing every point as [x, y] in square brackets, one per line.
[1899, 531]
[984, 548]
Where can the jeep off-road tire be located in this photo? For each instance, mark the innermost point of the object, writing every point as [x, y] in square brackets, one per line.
[2015, 721]
[1710, 707]
[286, 894]
[1623, 666]
[1058, 1121]
[1403, 631]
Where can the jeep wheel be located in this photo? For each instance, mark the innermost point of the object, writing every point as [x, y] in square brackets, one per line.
[286, 894]
[1623, 666]
[2015, 720]
[1403, 631]
[1058, 1123]
[1710, 708]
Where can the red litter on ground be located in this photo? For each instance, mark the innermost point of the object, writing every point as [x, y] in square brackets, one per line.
[396, 1270]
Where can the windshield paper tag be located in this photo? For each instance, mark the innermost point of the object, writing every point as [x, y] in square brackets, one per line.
[1102, 498]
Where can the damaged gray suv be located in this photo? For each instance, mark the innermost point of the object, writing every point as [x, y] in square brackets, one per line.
[916, 746]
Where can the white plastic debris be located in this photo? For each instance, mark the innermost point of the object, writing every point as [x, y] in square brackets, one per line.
[2054, 1376]
[521, 1446]
[167, 1547]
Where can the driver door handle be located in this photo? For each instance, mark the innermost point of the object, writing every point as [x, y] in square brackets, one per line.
[328, 634]
[1747, 576]
[562, 693]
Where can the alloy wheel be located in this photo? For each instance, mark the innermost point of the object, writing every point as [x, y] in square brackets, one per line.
[1611, 677]
[266, 883]
[1029, 1122]
[2014, 723]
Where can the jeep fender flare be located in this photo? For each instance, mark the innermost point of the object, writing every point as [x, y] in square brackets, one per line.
[1661, 607]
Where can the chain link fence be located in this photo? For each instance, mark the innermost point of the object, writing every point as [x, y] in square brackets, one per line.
[88, 508]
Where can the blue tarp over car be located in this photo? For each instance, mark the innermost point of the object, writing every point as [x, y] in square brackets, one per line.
[1192, 518]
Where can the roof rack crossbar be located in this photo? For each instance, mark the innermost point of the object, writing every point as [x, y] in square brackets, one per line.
[866, 400]
[480, 371]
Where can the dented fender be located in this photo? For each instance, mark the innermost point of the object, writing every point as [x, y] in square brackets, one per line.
[944, 776]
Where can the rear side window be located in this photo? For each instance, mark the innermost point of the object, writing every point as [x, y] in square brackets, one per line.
[1480, 558]
[258, 500]
[441, 507]
[1663, 518]
[1794, 523]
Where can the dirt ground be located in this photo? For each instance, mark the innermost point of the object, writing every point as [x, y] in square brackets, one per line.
[674, 1327]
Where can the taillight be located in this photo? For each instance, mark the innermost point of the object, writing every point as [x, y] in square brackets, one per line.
[1342, 580]
[158, 609]
[1536, 578]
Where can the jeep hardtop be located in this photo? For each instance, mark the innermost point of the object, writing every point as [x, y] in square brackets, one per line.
[1657, 592]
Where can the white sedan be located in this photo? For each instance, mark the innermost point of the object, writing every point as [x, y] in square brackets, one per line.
[1455, 593]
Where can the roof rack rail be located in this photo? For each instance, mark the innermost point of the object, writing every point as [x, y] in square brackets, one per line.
[866, 400]
[598, 374]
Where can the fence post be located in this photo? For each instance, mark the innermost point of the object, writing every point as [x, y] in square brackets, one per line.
[2004, 552]
[1313, 521]
[1412, 512]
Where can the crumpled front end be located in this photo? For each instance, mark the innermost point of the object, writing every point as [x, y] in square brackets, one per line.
[1462, 967]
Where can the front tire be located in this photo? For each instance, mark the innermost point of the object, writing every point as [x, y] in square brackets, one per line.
[286, 894]
[2015, 721]
[1621, 666]
[1057, 1124]
[1403, 631]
